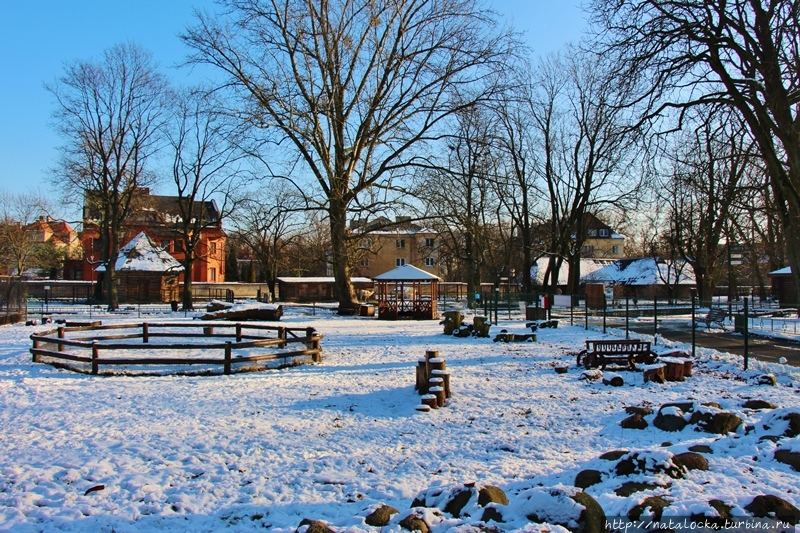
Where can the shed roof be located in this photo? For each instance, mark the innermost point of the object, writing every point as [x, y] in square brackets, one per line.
[140, 255]
[407, 273]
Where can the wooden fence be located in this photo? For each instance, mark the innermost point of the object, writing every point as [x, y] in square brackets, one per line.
[89, 353]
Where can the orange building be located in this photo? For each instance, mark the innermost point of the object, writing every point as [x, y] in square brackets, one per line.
[157, 217]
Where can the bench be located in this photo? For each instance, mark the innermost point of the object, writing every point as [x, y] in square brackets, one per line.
[618, 352]
[715, 315]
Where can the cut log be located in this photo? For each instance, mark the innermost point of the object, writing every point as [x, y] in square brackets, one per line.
[436, 363]
[430, 401]
[422, 376]
[445, 375]
[423, 408]
[439, 393]
[654, 373]
[674, 368]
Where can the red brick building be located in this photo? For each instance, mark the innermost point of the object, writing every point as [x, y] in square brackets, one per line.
[157, 216]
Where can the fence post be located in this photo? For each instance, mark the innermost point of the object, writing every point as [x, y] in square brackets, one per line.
[36, 345]
[95, 355]
[627, 317]
[694, 329]
[145, 333]
[60, 336]
[282, 336]
[227, 368]
[655, 318]
[238, 332]
[605, 308]
[586, 314]
[746, 335]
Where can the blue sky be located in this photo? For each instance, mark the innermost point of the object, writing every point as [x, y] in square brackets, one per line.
[37, 38]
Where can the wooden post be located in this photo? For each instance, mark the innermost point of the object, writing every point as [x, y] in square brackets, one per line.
[208, 330]
[655, 373]
[95, 355]
[145, 333]
[227, 368]
[60, 336]
[282, 336]
[438, 392]
[313, 344]
[445, 377]
[35, 357]
[422, 376]
[430, 401]
[238, 332]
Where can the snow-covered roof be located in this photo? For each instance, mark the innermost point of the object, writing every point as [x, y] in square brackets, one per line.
[785, 271]
[141, 255]
[587, 266]
[290, 279]
[407, 273]
[642, 271]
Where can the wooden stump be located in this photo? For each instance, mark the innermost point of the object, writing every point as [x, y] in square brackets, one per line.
[687, 368]
[439, 393]
[436, 363]
[445, 375]
[422, 376]
[655, 374]
[561, 369]
[674, 369]
[430, 401]
[423, 408]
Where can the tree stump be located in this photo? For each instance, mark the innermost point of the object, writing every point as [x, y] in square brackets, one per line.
[439, 393]
[436, 363]
[674, 368]
[445, 375]
[687, 368]
[430, 401]
[654, 373]
[422, 376]
[422, 408]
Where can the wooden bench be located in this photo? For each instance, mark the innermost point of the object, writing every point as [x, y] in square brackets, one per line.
[715, 315]
[618, 352]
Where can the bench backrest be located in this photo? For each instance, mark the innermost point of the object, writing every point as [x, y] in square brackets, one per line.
[618, 346]
[717, 313]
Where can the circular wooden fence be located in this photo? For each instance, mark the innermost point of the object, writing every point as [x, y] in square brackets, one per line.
[175, 348]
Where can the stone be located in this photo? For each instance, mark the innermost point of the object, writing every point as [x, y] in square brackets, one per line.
[634, 422]
[632, 487]
[643, 411]
[769, 506]
[788, 457]
[614, 381]
[715, 405]
[701, 448]
[614, 455]
[587, 478]
[314, 526]
[719, 521]
[457, 501]
[692, 461]
[589, 519]
[794, 424]
[492, 514]
[767, 379]
[757, 405]
[719, 423]
[669, 422]
[491, 494]
[592, 518]
[414, 523]
[656, 504]
[381, 516]
[650, 463]
[561, 369]
[686, 407]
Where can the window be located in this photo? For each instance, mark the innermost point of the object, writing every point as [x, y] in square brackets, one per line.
[587, 251]
[429, 242]
[212, 274]
[400, 261]
[604, 232]
[366, 244]
[615, 250]
[592, 233]
[400, 243]
[364, 263]
[213, 247]
[429, 262]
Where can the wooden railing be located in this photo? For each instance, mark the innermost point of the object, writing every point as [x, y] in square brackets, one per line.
[78, 353]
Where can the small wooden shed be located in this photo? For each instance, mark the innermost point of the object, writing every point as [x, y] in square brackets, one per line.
[407, 292]
[783, 288]
[146, 273]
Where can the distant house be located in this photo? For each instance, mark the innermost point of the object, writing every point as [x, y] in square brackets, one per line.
[146, 273]
[645, 277]
[61, 236]
[587, 266]
[385, 244]
[319, 289]
[602, 242]
[783, 288]
[157, 217]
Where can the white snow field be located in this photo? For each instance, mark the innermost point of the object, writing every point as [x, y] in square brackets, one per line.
[333, 441]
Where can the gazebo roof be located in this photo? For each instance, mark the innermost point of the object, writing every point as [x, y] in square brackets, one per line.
[140, 255]
[407, 273]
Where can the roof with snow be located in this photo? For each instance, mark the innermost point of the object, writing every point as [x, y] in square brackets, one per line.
[587, 266]
[141, 255]
[785, 271]
[643, 271]
[407, 273]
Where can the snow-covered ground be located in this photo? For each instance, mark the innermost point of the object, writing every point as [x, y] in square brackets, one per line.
[333, 441]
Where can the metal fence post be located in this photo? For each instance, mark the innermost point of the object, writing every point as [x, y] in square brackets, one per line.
[655, 318]
[605, 306]
[694, 329]
[746, 331]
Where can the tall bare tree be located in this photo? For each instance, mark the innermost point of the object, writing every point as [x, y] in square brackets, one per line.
[205, 171]
[355, 88]
[109, 113]
[740, 53]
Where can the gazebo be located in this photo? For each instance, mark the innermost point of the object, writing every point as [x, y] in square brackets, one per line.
[407, 292]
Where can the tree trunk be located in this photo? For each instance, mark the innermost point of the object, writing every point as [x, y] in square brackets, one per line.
[111, 276]
[188, 263]
[345, 294]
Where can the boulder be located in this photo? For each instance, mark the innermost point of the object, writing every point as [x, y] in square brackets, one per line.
[769, 506]
[794, 424]
[632, 487]
[767, 379]
[414, 523]
[757, 405]
[719, 423]
[656, 504]
[686, 407]
[587, 478]
[669, 422]
[614, 455]
[719, 521]
[692, 461]
[701, 448]
[458, 500]
[381, 516]
[650, 462]
[492, 513]
[491, 494]
[788, 457]
[643, 411]
[314, 526]
[634, 422]
[615, 380]
[564, 506]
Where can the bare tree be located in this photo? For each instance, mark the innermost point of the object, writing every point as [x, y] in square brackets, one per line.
[206, 174]
[739, 53]
[356, 88]
[109, 113]
[268, 223]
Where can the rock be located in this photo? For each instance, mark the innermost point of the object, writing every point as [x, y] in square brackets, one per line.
[758, 405]
[634, 422]
[492, 513]
[457, 501]
[719, 423]
[414, 523]
[314, 526]
[561, 369]
[723, 511]
[643, 411]
[669, 422]
[701, 448]
[686, 407]
[381, 516]
[667, 444]
[767, 379]
[788, 457]
[656, 504]
[491, 494]
[614, 380]
[715, 405]
[692, 461]
[587, 478]
[614, 455]
[769, 506]
[794, 424]
[650, 462]
[632, 487]
[587, 515]
[592, 518]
